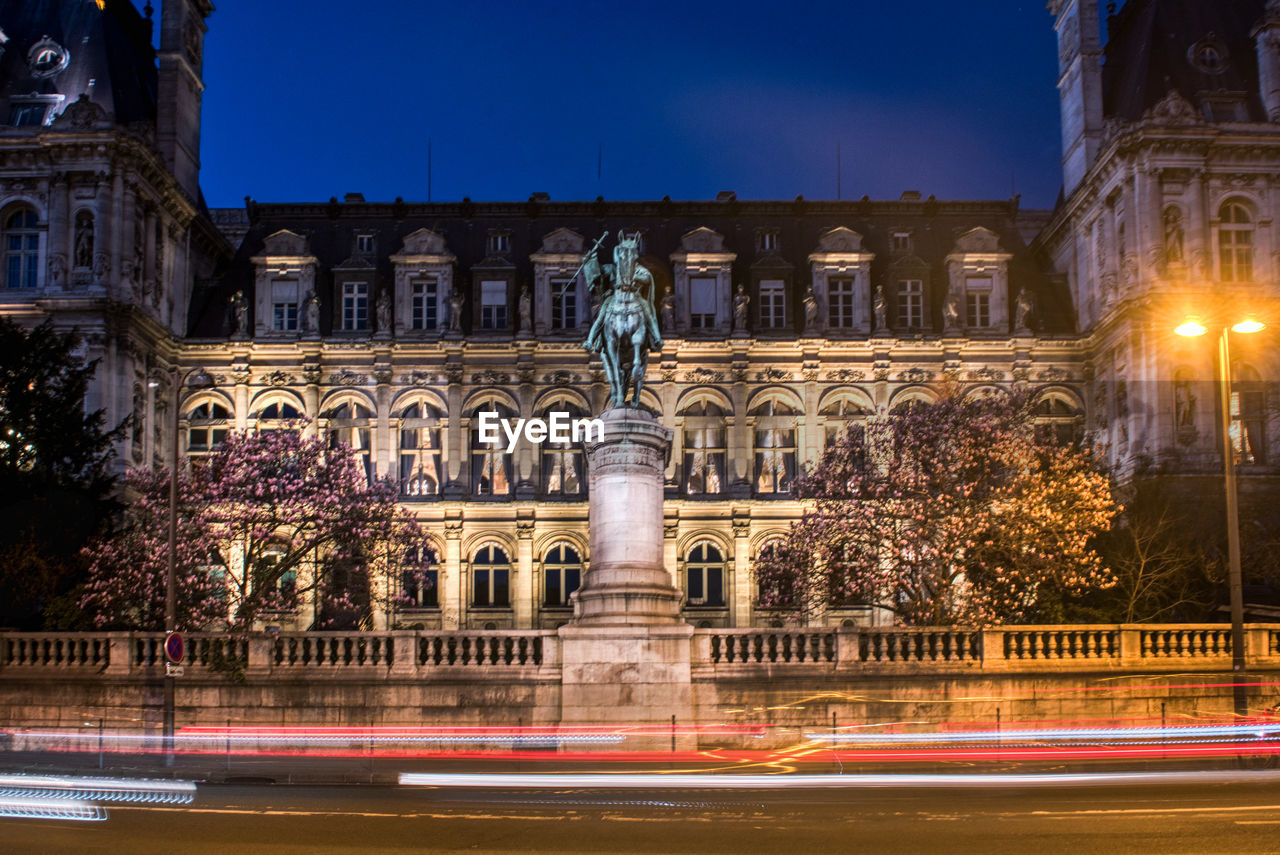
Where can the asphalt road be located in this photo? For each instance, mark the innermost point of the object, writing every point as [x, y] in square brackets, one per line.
[1190, 816]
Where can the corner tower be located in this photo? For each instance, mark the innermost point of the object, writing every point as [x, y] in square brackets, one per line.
[1079, 85]
[181, 87]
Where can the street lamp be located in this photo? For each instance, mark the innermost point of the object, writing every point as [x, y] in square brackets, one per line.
[1193, 327]
[171, 563]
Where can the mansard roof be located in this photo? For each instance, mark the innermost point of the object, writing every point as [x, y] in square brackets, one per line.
[934, 227]
[108, 56]
[1149, 52]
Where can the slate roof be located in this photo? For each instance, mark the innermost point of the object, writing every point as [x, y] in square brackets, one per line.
[935, 225]
[110, 46]
[1147, 48]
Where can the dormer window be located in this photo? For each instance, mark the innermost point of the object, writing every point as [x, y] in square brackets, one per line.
[425, 304]
[364, 245]
[977, 297]
[493, 305]
[564, 304]
[911, 304]
[900, 242]
[284, 305]
[355, 306]
[702, 302]
[499, 242]
[767, 240]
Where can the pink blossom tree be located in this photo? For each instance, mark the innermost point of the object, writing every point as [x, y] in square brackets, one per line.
[266, 521]
[954, 512]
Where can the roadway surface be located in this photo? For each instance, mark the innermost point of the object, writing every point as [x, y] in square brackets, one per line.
[1237, 813]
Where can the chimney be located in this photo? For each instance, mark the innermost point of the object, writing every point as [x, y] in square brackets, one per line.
[180, 86]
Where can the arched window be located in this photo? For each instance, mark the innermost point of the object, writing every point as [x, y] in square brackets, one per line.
[491, 578]
[490, 463]
[1235, 243]
[561, 575]
[207, 427]
[276, 415]
[420, 464]
[1248, 416]
[563, 470]
[704, 575]
[21, 249]
[1057, 422]
[841, 415]
[349, 424]
[704, 449]
[420, 581]
[775, 448]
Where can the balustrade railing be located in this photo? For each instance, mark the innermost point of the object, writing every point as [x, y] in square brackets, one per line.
[919, 645]
[772, 646]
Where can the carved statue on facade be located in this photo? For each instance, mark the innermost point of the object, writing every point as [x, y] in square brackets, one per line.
[740, 303]
[383, 312]
[455, 312]
[626, 327]
[311, 313]
[668, 312]
[1172, 236]
[810, 311]
[1184, 401]
[881, 308]
[951, 314]
[526, 311]
[1025, 310]
[83, 255]
[240, 315]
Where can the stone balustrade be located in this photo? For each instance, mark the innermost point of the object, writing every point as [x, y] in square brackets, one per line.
[408, 654]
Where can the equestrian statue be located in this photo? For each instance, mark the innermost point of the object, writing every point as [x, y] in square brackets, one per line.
[625, 328]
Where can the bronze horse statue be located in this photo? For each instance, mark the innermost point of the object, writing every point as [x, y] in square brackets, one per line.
[626, 327]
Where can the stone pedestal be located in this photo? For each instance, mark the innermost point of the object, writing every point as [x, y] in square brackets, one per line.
[627, 584]
[626, 656]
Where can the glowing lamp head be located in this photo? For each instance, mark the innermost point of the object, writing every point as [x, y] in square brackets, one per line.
[1250, 325]
[1191, 327]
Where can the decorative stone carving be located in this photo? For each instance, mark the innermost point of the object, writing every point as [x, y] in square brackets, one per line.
[489, 377]
[771, 375]
[703, 375]
[847, 375]
[277, 378]
[1173, 109]
[347, 377]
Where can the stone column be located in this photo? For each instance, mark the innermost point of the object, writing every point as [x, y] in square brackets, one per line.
[627, 654]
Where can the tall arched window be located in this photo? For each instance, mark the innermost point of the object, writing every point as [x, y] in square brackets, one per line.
[563, 470]
[704, 449]
[491, 578]
[1057, 421]
[704, 575]
[1235, 243]
[842, 414]
[420, 463]
[1248, 416]
[420, 581]
[350, 424]
[207, 427]
[21, 249]
[490, 463]
[276, 415]
[775, 447]
[561, 575]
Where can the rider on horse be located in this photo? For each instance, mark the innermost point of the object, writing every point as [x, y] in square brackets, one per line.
[625, 274]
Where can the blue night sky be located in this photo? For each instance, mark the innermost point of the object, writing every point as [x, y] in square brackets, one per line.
[308, 100]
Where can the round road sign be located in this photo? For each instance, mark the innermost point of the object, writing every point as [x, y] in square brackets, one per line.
[174, 647]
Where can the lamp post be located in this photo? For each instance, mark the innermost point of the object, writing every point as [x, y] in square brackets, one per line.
[171, 562]
[1193, 327]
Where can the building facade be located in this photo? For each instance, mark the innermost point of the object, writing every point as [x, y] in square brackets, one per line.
[393, 326]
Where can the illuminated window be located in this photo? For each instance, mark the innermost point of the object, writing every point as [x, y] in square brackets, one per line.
[1248, 417]
[563, 466]
[775, 448]
[491, 578]
[773, 304]
[490, 463]
[840, 303]
[704, 449]
[424, 309]
[910, 304]
[207, 427]
[1235, 243]
[493, 305]
[420, 582]
[561, 575]
[355, 306]
[977, 297]
[351, 424]
[419, 451]
[284, 305]
[704, 576]
[564, 304]
[702, 302]
[21, 249]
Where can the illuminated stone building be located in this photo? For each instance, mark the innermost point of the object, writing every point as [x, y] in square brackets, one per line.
[391, 325]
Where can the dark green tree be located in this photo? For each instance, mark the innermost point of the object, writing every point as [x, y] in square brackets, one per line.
[55, 478]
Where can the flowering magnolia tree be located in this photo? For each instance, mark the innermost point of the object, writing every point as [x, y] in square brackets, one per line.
[267, 521]
[955, 512]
